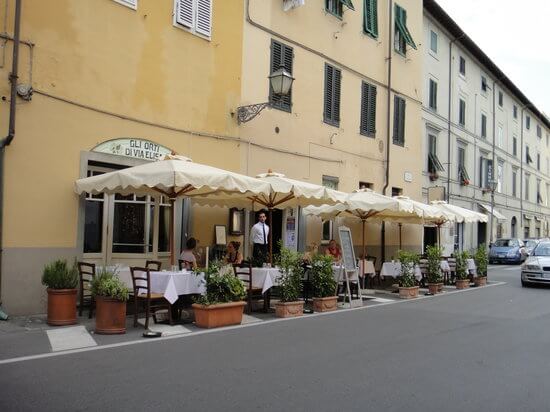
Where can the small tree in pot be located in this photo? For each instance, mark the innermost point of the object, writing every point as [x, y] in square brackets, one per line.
[111, 295]
[434, 269]
[481, 258]
[222, 304]
[324, 284]
[61, 281]
[462, 280]
[407, 282]
[290, 284]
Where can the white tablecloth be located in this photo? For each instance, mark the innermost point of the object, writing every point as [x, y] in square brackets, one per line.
[394, 270]
[471, 266]
[444, 265]
[265, 278]
[170, 284]
[339, 274]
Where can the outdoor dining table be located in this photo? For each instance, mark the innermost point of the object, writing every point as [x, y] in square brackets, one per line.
[471, 264]
[265, 278]
[444, 265]
[393, 269]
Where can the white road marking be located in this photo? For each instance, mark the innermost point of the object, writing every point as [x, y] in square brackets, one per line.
[383, 300]
[250, 319]
[166, 330]
[218, 330]
[70, 338]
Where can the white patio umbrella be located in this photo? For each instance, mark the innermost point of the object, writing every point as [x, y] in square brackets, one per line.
[365, 204]
[286, 192]
[173, 177]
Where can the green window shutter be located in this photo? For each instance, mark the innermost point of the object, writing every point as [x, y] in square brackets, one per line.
[281, 56]
[401, 23]
[328, 93]
[337, 85]
[370, 17]
[368, 110]
[333, 78]
[348, 4]
[399, 121]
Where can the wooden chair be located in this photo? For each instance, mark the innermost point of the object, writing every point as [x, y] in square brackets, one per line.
[423, 265]
[141, 280]
[86, 272]
[153, 265]
[377, 274]
[185, 264]
[452, 274]
[244, 273]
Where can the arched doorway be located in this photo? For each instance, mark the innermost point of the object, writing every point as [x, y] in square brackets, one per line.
[514, 227]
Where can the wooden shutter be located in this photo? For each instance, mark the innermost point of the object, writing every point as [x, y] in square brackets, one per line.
[370, 17]
[204, 17]
[399, 121]
[329, 74]
[185, 13]
[336, 97]
[281, 56]
[368, 110]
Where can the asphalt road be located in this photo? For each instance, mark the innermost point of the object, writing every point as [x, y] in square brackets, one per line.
[484, 349]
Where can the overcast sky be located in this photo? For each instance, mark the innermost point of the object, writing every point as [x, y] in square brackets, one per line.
[515, 35]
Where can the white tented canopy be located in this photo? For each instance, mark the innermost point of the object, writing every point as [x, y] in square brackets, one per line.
[487, 209]
[459, 214]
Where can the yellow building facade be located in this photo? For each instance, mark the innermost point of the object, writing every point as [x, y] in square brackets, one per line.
[119, 82]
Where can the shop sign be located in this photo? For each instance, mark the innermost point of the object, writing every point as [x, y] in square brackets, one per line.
[135, 148]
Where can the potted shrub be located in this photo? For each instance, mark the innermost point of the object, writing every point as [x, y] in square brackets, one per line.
[110, 295]
[223, 304]
[407, 282]
[435, 280]
[481, 258]
[290, 284]
[324, 284]
[462, 280]
[61, 281]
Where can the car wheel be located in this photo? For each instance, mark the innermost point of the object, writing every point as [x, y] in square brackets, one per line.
[524, 284]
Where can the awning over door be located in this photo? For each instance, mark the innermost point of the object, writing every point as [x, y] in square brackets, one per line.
[487, 209]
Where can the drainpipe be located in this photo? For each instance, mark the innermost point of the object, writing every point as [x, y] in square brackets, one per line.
[521, 175]
[493, 182]
[388, 129]
[11, 126]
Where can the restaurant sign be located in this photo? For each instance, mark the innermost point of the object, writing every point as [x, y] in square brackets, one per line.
[136, 148]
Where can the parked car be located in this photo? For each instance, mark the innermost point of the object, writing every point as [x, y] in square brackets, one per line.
[511, 250]
[536, 269]
[530, 244]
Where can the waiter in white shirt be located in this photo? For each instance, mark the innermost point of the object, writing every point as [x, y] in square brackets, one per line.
[259, 235]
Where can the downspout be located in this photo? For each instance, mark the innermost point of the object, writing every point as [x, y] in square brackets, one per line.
[521, 176]
[388, 130]
[492, 183]
[11, 127]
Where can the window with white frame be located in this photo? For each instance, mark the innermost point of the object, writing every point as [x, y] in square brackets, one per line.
[500, 137]
[500, 176]
[433, 41]
[194, 15]
[514, 182]
[327, 233]
[129, 3]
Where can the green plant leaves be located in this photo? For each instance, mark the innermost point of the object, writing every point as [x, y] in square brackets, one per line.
[58, 275]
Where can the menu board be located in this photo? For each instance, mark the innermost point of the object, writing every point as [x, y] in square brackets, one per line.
[348, 253]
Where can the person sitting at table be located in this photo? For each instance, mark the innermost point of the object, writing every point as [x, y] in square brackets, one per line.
[188, 254]
[233, 256]
[334, 250]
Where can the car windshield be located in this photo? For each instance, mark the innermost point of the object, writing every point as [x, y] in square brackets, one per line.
[542, 249]
[530, 243]
[505, 243]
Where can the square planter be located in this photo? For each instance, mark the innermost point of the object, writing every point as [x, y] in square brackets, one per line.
[480, 280]
[289, 309]
[408, 293]
[462, 283]
[327, 304]
[221, 314]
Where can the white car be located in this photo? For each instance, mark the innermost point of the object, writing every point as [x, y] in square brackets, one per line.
[536, 269]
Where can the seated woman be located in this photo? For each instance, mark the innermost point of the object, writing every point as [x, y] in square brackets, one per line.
[188, 254]
[334, 250]
[233, 256]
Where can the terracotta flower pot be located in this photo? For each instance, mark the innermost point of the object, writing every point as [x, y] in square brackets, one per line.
[462, 283]
[61, 307]
[289, 309]
[440, 287]
[433, 288]
[408, 293]
[480, 280]
[220, 314]
[110, 316]
[327, 304]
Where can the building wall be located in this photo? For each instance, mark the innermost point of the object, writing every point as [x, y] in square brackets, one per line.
[101, 70]
[478, 102]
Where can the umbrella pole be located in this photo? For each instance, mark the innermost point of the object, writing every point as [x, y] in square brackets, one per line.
[400, 227]
[271, 236]
[172, 243]
[364, 246]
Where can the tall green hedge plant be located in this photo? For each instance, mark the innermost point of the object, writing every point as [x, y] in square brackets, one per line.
[408, 262]
[292, 271]
[482, 259]
[322, 278]
[434, 264]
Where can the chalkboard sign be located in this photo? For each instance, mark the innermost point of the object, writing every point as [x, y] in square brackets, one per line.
[348, 253]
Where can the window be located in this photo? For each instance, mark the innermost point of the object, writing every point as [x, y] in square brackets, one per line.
[515, 110]
[500, 137]
[538, 161]
[281, 57]
[433, 41]
[500, 173]
[434, 165]
[402, 36]
[514, 182]
[433, 95]
[527, 156]
[527, 178]
[500, 99]
[483, 126]
[365, 185]
[527, 122]
[485, 172]
[539, 132]
[195, 15]
[93, 221]
[336, 7]
[331, 113]
[396, 191]
[327, 232]
[370, 17]
[483, 84]
[398, 121]
[515, 146]
[368, 110]
[462, 66]
[462, 173]
[130, 3]
[539, 194]
[462, 112]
